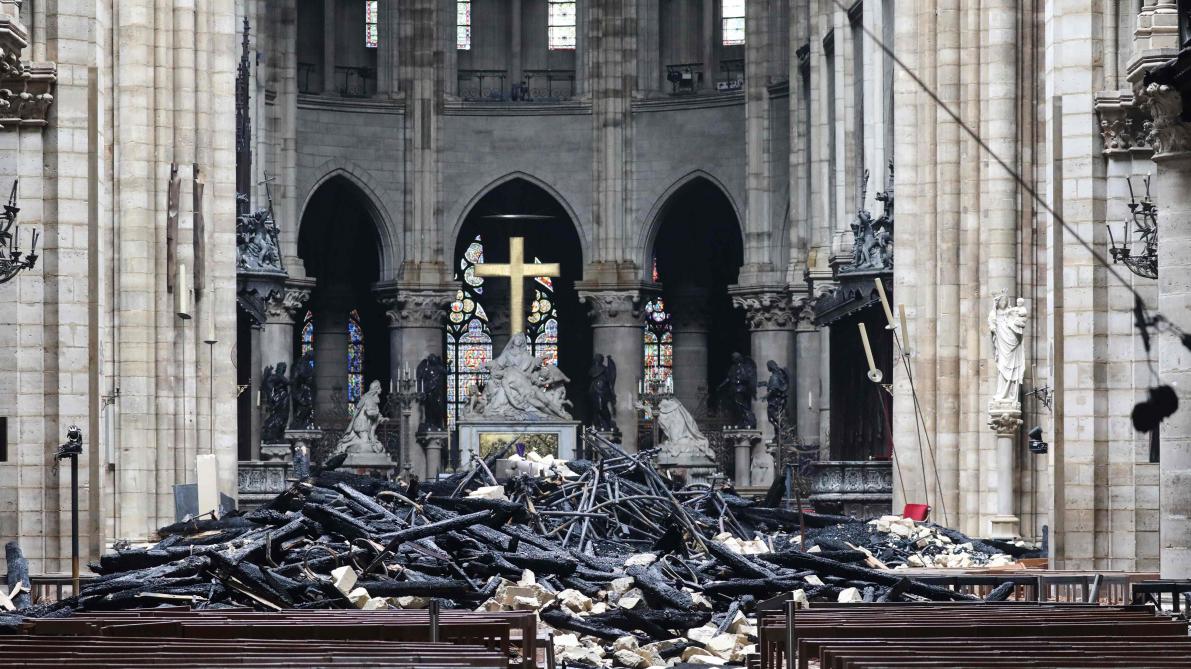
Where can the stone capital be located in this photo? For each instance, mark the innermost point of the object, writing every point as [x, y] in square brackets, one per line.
[1004, 418]
[1167, 132]
[1124, 126]
[613, 307]
[418, 307]
[284, 304]
[767, 310]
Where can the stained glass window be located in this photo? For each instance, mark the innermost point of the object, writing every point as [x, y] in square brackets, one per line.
[561, 25]
[355, 359]
[463, 24]
[371, 29]
[733, 22]
[543, 321]
[659, 344]
[307, 337]
[469, 341]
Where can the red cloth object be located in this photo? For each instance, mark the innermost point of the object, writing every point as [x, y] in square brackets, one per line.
[917, 512]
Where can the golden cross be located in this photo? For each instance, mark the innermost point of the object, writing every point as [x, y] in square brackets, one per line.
[517, 270]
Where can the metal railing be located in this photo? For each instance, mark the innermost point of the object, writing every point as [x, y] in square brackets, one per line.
[307, 78]
[483, 85]
[550, 85]
[355, 82]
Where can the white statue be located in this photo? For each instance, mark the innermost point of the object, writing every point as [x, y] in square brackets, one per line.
[761, 471]
[361, 432]
[521, 387]
[683, 438]
[1007, 326]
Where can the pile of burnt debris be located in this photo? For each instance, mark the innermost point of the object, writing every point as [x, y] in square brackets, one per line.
[614, 557]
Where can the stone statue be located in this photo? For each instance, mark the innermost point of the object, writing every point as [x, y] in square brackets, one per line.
[761, 470]
[777, 392]
[683, 438]
[601, 392]
[302, 388]
[275, 400]
[257, 249]
[361, 432]
[432, 393]
[1007, 325]
[521, 387]
[739, 390]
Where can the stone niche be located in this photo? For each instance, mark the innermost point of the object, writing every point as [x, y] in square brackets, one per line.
[863, 489]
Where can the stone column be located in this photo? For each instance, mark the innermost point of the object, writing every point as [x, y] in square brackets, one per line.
[387, 49]
[770, 316]
[1171, 139]
[711, 45]
[329, 47]
[330, 354]
[805, 387]
[617, 333]
[1006, 423]
[417, 316]
[649, 54]
[256, 371]
[281, 311]
[581, 53]
[515, 39]
[691, 319]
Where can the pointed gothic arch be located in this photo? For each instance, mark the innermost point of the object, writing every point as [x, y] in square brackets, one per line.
[571, 215]
[387, 230]
[653, 219]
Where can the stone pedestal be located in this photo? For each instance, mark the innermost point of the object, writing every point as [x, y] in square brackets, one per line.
[1005, 421]
[743, 443]
[276, 452]
[688, 468]
[379, 465]
[433, 444]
